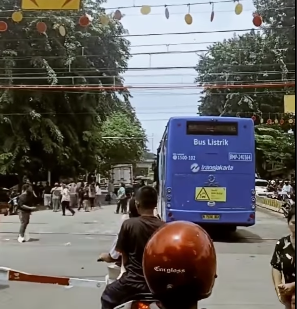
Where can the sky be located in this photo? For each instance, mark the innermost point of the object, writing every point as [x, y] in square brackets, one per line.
[154, 106]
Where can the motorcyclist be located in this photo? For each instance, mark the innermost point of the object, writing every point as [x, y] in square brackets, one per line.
[132, 239]
[179, 265]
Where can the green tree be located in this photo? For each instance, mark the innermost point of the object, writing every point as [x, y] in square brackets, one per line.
[273, 145]
[51, 130]
[122, 140]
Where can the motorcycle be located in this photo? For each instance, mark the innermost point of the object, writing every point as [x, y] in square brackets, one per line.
[141, 301]
[13, 205]
[286, 207]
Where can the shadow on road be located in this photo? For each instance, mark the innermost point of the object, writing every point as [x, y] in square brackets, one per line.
[33, 239]
[240, 236]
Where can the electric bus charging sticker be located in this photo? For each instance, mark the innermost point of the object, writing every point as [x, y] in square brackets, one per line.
[210, 194]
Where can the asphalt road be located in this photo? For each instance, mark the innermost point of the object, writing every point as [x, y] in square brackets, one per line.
[69, 246]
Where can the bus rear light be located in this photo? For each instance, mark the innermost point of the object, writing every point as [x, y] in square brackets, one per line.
[253, 199]
[252, 216]
[253, 206]
[169, 214]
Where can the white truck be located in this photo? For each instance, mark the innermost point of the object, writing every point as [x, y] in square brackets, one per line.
[122, 173]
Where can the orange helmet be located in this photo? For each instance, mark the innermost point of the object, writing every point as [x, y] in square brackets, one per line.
[179, 264]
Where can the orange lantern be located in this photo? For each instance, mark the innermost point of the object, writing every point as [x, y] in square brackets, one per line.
[257, 20]
[269, 121]
[3, 26]
[254, 118]
[84, 21]
[282, 121]
[41, 27]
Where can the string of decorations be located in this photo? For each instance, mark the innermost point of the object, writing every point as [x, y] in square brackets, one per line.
[85, 20]
[269, 118]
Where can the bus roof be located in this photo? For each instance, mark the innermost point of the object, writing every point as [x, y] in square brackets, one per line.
[223, 119]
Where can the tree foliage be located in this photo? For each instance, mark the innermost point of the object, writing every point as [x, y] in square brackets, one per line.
[255, 58]
[273, 145]
[251, 58]
[60, 130]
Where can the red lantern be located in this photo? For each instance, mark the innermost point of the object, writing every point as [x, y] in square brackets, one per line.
[3, 26]
[254, 118]
[282, 121]
[257, 20]
[84, 21]
[41, 27]
[269, 121]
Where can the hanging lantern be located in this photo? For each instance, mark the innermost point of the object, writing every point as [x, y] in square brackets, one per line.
[261, 120]
[276, 120]
[212, 14]
[188, 17]
[166, 12]
[117, 15]
[104, 20]
[257, 20]
[3, 26]
[290, 121]
[145, 10]
[254, 118]
[17, 16]
[282, 121]
[41, 27]
[84, 21]
[238, 8]
[269, 121]
[62, 30]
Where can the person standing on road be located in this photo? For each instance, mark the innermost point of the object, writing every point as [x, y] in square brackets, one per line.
[92, 195]
[110, 191]
[65, 201]
[25, 208]
[56, 196]
[73, 194]
[47, 196]
[98, 195]
[122, 199]
[283, 264]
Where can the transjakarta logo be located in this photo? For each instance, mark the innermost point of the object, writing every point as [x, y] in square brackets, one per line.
[211, 168]
[211, 142]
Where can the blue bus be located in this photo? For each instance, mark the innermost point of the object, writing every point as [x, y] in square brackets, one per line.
[206, 171]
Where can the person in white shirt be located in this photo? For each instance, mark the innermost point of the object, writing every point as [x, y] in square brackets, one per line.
[56, 197]
[287, 188]
[98, 195]
[66, 200]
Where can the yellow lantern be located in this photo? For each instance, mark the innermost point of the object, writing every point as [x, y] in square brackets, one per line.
[145, 10]
[188, 19]
[62, 30]
[104, 20]
[238, 8]
[17, 16]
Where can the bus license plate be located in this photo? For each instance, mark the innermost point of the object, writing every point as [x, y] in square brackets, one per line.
[211, 217]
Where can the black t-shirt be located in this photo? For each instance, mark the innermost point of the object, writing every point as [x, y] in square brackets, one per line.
[283, 259]
[132, 239]
[25, 199]
[47, 190]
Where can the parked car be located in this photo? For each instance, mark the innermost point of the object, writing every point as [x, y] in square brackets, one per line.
[261, 187]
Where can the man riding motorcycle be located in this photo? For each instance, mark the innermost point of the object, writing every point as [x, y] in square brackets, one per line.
[132, 239]
[179, 265]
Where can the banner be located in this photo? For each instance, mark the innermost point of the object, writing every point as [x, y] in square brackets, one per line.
[50, 5]
[289, 104]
